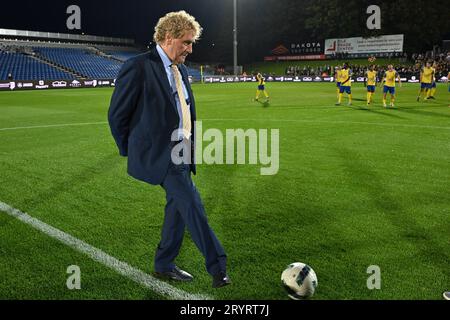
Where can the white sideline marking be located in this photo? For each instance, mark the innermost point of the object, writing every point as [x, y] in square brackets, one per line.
[54, 125]
[246, 119]
[98, 255]
[338, 122]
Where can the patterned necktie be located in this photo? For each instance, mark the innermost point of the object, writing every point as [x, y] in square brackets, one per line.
[184, 107]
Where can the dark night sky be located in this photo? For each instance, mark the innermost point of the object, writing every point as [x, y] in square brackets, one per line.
[263, 24]
[132, 18]
[115, 18]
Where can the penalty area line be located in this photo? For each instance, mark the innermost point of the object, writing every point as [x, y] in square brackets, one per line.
[122, 268]
[335, 122]
[306, 121]
[54, 125]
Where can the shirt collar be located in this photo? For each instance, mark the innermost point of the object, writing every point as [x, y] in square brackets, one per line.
[165, 59]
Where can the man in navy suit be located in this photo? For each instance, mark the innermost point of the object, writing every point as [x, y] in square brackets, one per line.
[151, 115]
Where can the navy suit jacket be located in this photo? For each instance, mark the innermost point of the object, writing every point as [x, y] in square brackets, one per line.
[143, 115]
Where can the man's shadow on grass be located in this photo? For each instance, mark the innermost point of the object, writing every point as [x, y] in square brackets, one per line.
[373, 110]
[264, 104]
[414, 110]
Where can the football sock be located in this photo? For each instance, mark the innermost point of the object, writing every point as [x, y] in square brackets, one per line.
[433, 91]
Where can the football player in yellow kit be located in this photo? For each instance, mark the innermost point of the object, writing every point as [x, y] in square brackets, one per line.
[261, 87]
[433, 82]
[337, 77]
[426, 79]
[346, 84]
[371, 82]
[389, 84]
[448, 81]
[448, 84]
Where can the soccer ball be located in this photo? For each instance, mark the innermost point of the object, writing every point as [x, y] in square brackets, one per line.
[299, 280]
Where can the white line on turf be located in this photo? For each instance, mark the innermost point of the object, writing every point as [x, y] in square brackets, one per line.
[54, 125]
[248, 119]
[98, 255]
[336, 122]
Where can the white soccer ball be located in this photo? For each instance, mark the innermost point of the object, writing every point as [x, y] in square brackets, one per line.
[299, 280]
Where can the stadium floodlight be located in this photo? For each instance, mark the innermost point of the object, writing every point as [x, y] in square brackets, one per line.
[235, 43]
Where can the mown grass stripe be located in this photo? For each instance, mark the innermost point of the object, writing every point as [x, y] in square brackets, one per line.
[98, 255]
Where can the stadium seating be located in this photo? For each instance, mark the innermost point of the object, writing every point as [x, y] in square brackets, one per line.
[122, 55]
[58, 61]
[194, 73]
[23, 67]
[81, 60]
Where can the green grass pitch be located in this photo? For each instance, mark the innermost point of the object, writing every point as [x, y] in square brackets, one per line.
[357, 186]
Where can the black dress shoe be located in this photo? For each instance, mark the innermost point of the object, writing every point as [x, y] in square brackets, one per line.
[175, 274]
[220, 280]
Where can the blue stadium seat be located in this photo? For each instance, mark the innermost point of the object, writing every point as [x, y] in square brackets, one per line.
[122, 55]
[82, 61]
[23, 67]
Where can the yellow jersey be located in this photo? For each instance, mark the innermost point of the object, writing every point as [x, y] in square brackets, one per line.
[371, 77]
[390, 77]
[261, 81]
[427, 75]
[345, 74]
[338, 76]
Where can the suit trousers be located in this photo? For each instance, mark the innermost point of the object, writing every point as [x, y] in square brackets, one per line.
[184, 208]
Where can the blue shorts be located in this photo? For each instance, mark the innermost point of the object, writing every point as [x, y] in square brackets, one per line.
[433, 84]
[346, 89]
[370, 88]
[338, 84]
[390, 90]
[261, 87]
[425, 85]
